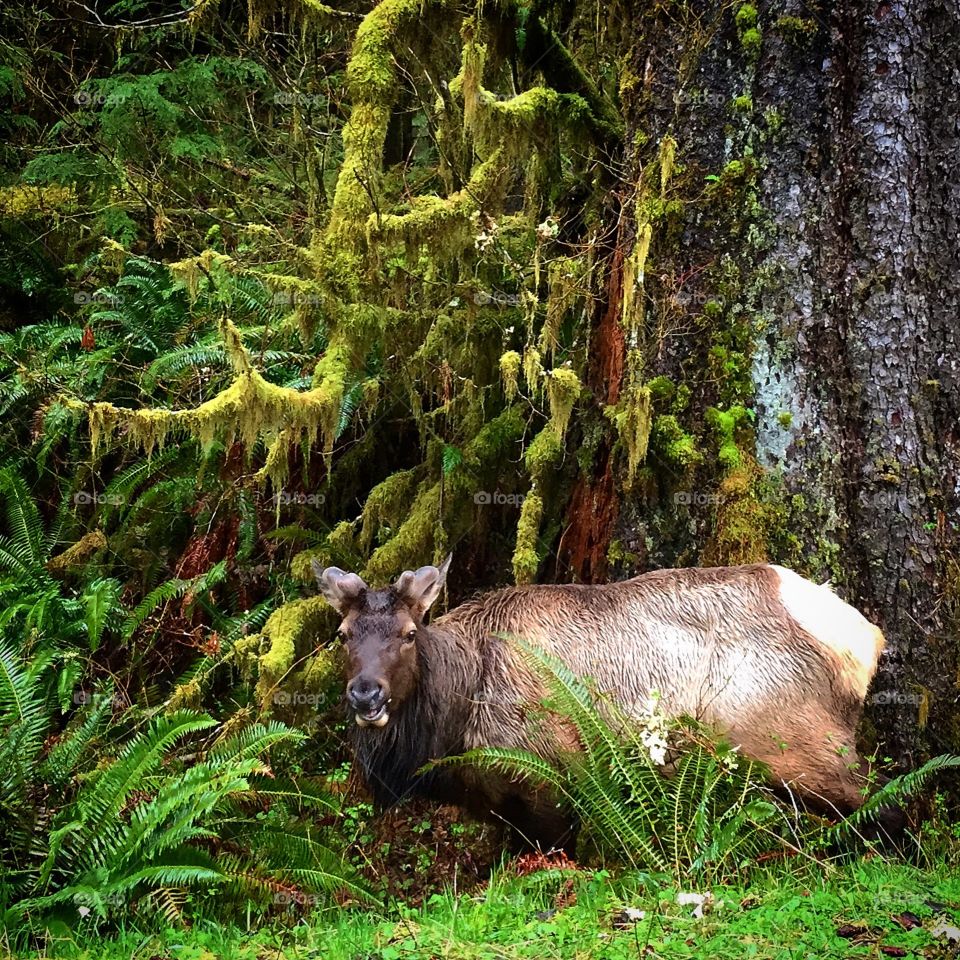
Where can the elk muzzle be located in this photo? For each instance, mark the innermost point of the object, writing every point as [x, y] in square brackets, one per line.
[369, 698]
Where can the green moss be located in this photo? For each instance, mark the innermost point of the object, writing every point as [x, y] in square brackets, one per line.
[785, 419]
[673, 445]
[725, 424]
[526, 560]
[291, 630]
[662, 390]
[746, 17]
[742, 104]
[751, 41]
[543, 452]
[796, 30]
[632, 418]
[563, 390]
[510, 372]
[712, 309]
[422, 535]
[386, 505]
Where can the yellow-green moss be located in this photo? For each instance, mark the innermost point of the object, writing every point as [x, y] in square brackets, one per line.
[543, 452]
[292, 631]
[77, 553]
[532, 368]
[563, 390]
[725, 424]
[633, 419]
[386, 504]
[526, 560]
[510, 372]
[676, 447]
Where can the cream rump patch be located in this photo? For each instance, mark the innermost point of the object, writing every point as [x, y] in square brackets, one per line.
[837, 625]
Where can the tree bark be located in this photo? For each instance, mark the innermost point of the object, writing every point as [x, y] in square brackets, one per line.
[854, 122]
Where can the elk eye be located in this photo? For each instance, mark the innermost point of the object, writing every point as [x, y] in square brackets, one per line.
[410, 636]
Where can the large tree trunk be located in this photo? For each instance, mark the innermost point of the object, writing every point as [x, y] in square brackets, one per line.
[849, 279]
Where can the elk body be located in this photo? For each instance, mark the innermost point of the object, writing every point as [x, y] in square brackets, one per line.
[776, 663]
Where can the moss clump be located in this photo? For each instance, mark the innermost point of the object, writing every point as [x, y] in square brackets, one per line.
[785, 419]
[78, 553]
[746, 17]
[726, 423]
[510, 372]
[751, 41]
[742, 104]
[292, 630]
[662, 390]
[386, 504]
[744, 522]
[796, 30]
[674, 446]
[563, 389]
[526, 560]
[543, 451]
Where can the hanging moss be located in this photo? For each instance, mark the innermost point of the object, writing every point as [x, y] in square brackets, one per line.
[634, 420]
[250, 408]
[386, 504]
[532, 369]
[525, 557]
[567, 280]
[563, 390]
[744, 522]
[510, 372]
[543, 452]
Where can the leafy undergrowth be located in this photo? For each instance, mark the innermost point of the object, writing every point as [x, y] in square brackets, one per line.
[869, 908]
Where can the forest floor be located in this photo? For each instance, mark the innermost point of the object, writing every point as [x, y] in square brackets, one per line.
[866, 908]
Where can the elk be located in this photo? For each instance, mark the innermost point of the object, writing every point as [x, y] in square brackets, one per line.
[777, 664]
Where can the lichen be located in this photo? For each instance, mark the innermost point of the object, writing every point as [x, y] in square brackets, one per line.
[633, 419]
[532, 369]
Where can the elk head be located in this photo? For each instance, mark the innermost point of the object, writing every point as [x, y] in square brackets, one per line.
[379, 630]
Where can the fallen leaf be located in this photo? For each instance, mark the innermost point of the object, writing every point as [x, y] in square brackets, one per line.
[850, 930]
[907, 920]
[893, 951]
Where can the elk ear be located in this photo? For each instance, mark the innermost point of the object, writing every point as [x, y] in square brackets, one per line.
[339, 588]
[420, 589]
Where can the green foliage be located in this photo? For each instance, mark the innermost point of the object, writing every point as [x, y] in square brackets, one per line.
[706, 816]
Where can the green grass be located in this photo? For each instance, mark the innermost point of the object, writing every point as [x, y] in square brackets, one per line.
[778, 915]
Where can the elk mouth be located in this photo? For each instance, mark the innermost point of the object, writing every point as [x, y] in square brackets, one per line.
[377, 717]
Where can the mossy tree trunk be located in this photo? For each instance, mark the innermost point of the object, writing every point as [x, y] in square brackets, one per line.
[811, 274]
